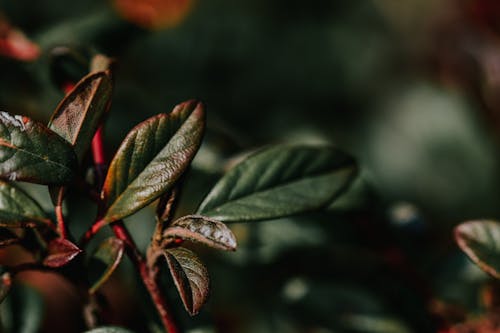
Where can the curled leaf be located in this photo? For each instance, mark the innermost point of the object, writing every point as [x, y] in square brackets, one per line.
[150, 160]
[190, 277]
[18, 209]
[31, 152]
[480, 240]
[79, 114]
[280, 181]
[60, 252]
[105, 260]
[203, 230]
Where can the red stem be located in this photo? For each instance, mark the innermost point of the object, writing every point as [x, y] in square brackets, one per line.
[62, 228]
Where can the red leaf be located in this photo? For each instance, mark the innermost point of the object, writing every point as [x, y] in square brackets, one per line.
[14, 44]
[60, 252]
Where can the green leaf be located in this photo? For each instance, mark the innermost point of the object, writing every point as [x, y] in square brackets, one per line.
[190, 277]
[31, 152]
[79, 114]
[22, 310]
[60, 252]
[18, 209]
[152, 158]
[280, 181]
[105, 260]
[5, 285]
[203, 230]
[480, 240]
[109, 329]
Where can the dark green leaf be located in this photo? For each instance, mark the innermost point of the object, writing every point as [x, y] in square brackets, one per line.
[5, 285]
[152, 158]
[31, 152]
[60, 252]
[7, 238]
[78, 115]
[18, 209]
[280, 181]
[480, 240]
[109, 329]
[107, 257]
[22, 310]
[190, 277]
[203, 230]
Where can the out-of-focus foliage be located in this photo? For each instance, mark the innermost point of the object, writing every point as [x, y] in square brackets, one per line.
[408, 87]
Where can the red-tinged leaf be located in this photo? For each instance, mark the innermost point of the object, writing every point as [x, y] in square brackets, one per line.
[79, 114]
[18, 209]
[203, 230]
[31, 152]
[190, 277]
[480, 240]
[14, 44]
[60, 252]
[107, 257]
[5, 285]
[7, 238]
[151, 159]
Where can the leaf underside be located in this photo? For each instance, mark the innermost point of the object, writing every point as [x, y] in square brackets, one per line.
[190, 277]
[18, 209]
[202, 230]
[280, 181]
[109, 255]
[31, 152]
[79, 114]
[480, 240]
[151, 159]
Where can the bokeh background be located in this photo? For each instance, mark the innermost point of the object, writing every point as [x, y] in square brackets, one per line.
[409, 87]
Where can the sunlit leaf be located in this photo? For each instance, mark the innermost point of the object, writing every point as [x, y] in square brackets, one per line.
[78, 115]
[480, 240]
[22, 310]
[152, 158]
[31, 152]
[107, 257]
[190, 277]
[109, 329]
[60, 252]
[18, 209]
[203, 230]
[280, 181]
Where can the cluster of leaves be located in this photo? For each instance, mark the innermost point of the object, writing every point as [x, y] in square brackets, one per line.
[148, 167]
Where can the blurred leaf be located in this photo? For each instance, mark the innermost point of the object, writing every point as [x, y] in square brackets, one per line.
[60, 252]
[153, 14]
[152, 158]
[280, 181]
[18, 209]
[14, 44]
[203, 230]
[31, 152]
[190, 277]
[109, 329]
[22, 310]
[109, 255]
[78, 115]
[480, 240]
[5, 285]
[7, 237]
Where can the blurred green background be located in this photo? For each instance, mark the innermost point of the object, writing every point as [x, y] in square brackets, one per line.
[408, 87]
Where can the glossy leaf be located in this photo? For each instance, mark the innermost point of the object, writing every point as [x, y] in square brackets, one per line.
[79, 114]
[31, 152]
[60, 252]
[203, 230]
[280, 181]
[109, 329]
[18, 209]
[152, 158]
[5, 285]
[108, 255]
[480, 240]
[190, 277]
